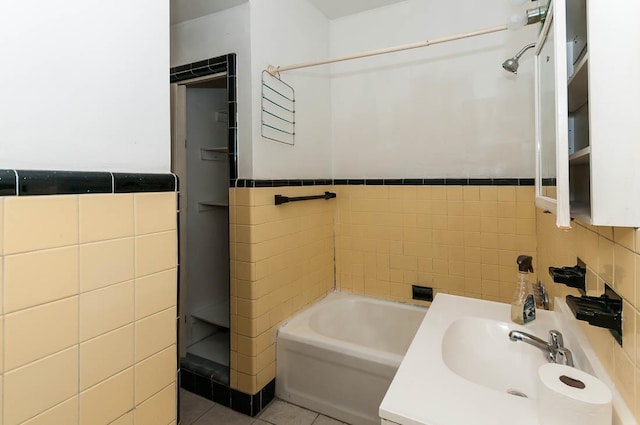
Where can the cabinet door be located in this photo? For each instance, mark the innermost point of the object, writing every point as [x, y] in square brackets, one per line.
[552, 158]
[614, 111]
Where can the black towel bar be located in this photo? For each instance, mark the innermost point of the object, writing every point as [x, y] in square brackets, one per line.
[279, 199]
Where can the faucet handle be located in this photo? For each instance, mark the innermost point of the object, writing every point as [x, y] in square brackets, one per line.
[564, 356]
[555, 339]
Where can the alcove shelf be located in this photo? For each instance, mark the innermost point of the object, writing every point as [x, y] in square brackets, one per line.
[214, 314]
[209, 205]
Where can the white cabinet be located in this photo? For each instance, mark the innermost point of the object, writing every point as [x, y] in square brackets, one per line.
[588, 113]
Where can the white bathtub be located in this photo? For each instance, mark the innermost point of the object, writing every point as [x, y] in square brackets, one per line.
[339, 356]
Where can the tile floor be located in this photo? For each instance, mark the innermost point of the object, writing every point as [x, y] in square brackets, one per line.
[195, 410]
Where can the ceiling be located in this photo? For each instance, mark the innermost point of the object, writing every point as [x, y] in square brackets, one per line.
[338, 8]
[185, 10]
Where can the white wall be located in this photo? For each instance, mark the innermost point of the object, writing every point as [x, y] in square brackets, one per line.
[85, 85]
[442, 111]
[285, 32]
[216, 35]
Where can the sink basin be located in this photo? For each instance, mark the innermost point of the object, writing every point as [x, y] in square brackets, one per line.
[479, 350]
[461, 368]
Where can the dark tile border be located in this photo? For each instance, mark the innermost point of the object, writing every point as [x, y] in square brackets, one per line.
[203, 386]
[245, 403]
[240, 183]
[217, 65]
[481, 182]
[199, 69]
[126, 182]
[34, 182]
[50, 182]
[221, 394]
[251, 405]
[8, 183]
[434, 182]
[248, 404]
[268, 393]
[187, 380]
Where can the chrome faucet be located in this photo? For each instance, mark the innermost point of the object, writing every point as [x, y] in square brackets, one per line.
[554, 348]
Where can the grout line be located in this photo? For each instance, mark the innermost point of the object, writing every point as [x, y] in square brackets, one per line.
[17, 182]
[195, 420]
[2, 280]
[161, 349]
[75, 295]
[110, 377]
[210, 403]
[157, 392]
[79, 309]
[30, 251]
[52, 407]
[135, 276]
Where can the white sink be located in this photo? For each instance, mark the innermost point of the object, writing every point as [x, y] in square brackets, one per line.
[462, 368]
[480, 351]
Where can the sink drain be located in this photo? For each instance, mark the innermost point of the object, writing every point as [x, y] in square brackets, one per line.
[517, 393]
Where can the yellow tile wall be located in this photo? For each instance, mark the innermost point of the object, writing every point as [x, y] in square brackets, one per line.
[462, 240]
[88, 308]
[612, 255]
[282, 260]
[64, 258]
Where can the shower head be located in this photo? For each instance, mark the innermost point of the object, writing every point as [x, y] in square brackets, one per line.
[512, 64]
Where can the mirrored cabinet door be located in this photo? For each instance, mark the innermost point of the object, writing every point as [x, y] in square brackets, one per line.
[552, 178]
[545, 67]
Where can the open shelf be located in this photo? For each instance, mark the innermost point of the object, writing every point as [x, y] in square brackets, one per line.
[578, 85]
[581, 211]
[221, 116]
[580, 67]
[211, 205]
[215, 314]
[580, 157]
[214, 347]
[219, 150]
[213, 154]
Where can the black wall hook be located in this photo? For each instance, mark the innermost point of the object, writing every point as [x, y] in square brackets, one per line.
[604, 311]
[574, 277]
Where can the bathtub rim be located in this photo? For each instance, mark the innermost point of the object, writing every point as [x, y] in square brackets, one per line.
[298, 329]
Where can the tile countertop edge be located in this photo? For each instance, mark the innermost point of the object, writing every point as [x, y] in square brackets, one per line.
[404, 402]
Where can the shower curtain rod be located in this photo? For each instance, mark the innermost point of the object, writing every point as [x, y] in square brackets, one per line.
[275, 70]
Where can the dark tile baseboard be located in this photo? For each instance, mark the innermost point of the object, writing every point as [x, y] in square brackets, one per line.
[45, 182]
[247, 404]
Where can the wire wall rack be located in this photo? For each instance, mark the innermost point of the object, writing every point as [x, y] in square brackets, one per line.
[278, 110]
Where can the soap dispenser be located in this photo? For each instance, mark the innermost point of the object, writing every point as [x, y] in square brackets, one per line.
[523, 306]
